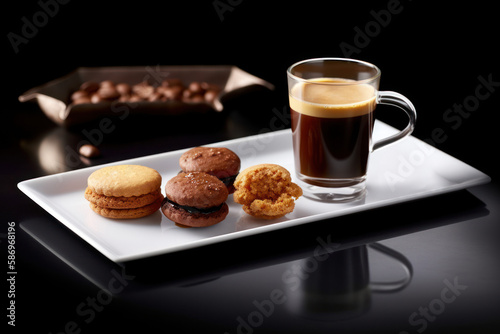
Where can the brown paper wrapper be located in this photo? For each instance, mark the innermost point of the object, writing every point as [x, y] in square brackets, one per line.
[54, 97]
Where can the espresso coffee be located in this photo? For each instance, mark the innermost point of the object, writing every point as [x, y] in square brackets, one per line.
[332, 124]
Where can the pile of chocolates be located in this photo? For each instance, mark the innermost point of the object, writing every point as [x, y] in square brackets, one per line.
[169, 90]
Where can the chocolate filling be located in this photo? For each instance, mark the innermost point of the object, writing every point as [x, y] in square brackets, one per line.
[228, 181]
[192, 209]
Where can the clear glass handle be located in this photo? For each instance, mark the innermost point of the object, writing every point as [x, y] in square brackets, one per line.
[397, 100]
[403, 261]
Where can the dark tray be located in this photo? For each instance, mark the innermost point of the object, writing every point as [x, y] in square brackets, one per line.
[54, 97]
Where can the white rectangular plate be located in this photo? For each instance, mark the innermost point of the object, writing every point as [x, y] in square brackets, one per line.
[407, 170]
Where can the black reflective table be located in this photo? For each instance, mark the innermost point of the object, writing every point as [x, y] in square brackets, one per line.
[384, 270]
[425, 266]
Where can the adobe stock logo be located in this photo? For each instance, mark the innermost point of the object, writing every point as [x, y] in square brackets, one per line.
[363, 36]
[421, 318]
[39, 19]
[453, 118]
[291, 278]
[223, 6]
[88, 310]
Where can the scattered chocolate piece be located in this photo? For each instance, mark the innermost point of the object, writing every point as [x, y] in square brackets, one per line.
[89, 151]
[173, 93]
[143, 90]
[79, 94]
[210, 95]
[107, 83]
[90, 86]
[196, 88]
[172, 83]
[169, 90]
[82, 100]
[123, 89]
[96, 98]
[108, 93]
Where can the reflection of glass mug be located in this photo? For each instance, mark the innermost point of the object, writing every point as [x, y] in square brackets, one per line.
[332, 102]
[339, 287]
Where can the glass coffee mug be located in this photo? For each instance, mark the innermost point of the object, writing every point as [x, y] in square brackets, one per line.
[339, 287]
[332, 104]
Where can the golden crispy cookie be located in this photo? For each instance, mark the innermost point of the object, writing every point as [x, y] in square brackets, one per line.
[122, 202]
[128, 213]
[266, 191]
[124, 180]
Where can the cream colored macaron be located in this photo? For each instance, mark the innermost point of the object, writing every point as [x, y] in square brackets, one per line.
[124, 180]
[124, 191]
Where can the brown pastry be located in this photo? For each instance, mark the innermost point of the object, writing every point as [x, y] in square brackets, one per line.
[218, 161]
[195, 199]
[124, 191]
[266, 191]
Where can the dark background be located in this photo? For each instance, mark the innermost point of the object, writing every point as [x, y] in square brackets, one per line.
[433, 54]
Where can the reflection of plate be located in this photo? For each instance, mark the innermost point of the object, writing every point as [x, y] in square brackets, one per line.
[407, 170]
[53, 97]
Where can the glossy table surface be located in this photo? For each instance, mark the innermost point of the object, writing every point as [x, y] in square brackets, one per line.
[424, 266]
[438, 262]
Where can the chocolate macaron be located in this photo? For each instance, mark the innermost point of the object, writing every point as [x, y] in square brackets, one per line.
[220, 162]
[195, 199]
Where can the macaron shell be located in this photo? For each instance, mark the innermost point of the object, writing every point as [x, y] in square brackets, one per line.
[218, 161]
[199, 190]
[128, 213]
[122, 202]
[124, 180]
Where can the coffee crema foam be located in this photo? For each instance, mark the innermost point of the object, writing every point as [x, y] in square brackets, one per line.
[332, 98]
